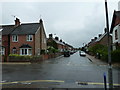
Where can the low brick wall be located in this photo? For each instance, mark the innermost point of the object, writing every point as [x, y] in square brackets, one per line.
[49, 56]
[23, 59]
[34, 59]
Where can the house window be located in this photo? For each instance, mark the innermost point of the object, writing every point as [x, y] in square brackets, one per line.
[2, 51]
[29, 37]
[116, 35]
[14, 50]
[25, 51]
[15, 38]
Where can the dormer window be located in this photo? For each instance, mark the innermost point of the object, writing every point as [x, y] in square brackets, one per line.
[29, 37]
[15, 38]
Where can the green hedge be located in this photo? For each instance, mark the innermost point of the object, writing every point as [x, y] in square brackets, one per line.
[52, 50]
[100, 51]
[115, 56]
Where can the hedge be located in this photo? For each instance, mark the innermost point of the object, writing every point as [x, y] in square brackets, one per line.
[115, 55]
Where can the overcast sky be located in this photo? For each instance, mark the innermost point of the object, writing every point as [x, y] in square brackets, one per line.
[74, 22]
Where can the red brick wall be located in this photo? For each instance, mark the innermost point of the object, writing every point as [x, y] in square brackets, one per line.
[21, 41]
[104, 41]
[5, 43]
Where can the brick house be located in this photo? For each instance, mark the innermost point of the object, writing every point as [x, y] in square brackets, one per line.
[24, 39]
[56, 43]
[101, 39]
[115, 30]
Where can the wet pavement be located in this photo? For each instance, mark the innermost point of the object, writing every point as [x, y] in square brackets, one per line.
[62, 72]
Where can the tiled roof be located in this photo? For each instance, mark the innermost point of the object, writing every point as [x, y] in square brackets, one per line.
[115, 14]
[29, 28]
[59, 42]
[101, 37]
[7, 29]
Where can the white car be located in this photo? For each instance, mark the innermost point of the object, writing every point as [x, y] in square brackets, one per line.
[82, 53]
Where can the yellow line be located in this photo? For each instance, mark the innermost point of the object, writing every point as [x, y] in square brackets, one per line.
[33, 81]
[96, 83]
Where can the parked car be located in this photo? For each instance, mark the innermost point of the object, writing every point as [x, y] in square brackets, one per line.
[71, 52]
[66, 53]
[82, 53]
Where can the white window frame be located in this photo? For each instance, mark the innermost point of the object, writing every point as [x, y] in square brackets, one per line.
[14, 38]
[28, 37]
[2, 51]
[24, 51]
[14, 51]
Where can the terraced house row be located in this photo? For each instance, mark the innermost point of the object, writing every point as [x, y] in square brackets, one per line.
[114, 34]
[23, 39]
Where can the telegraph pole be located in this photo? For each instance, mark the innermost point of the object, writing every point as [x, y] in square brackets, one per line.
[110, 78]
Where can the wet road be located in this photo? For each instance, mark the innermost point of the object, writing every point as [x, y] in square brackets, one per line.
[68, 72]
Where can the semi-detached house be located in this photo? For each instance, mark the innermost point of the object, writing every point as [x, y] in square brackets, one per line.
[24, 39]
[115, 30]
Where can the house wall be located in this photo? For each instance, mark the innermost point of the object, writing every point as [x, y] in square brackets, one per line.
[37, 42]
[60, 47]
[5, 43]
[119, 34]
[104, 41]
[21, 40]
[43, 38]
[118, 31]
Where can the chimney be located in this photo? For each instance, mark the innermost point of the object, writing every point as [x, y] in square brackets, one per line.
[105, 30]
[92, 40]
[60, 40]
[56, 38]
[95, 38]
[41, 21]
[17, 22]
[100, 35]
[50, 36]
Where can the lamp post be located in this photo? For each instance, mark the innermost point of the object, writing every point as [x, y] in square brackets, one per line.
[110, 79]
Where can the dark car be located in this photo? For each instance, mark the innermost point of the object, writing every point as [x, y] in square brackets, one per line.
[66, 53]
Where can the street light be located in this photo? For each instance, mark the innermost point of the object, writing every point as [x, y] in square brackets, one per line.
[109, 50]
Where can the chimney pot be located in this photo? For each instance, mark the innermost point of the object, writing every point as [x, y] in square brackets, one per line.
[17, 22]
[56, 38]
[60, 40]
[95, 38]
[100, 35]
[50, 36]
[105, 30]
[40, 21]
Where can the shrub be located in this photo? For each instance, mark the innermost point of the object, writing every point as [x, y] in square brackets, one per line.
[24, 57]
[115, 55]
[42, 51]
[52, 50]
[100, 51]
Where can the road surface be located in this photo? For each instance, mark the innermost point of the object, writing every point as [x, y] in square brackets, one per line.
[62, 72]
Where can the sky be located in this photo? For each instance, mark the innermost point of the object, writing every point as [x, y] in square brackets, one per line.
[74, 21]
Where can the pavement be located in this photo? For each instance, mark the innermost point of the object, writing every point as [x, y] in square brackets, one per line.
[100, 62]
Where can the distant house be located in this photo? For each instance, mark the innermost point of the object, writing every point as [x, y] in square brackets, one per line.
[24, 39]
[56, 43]
[115, 30]
[101, 39]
